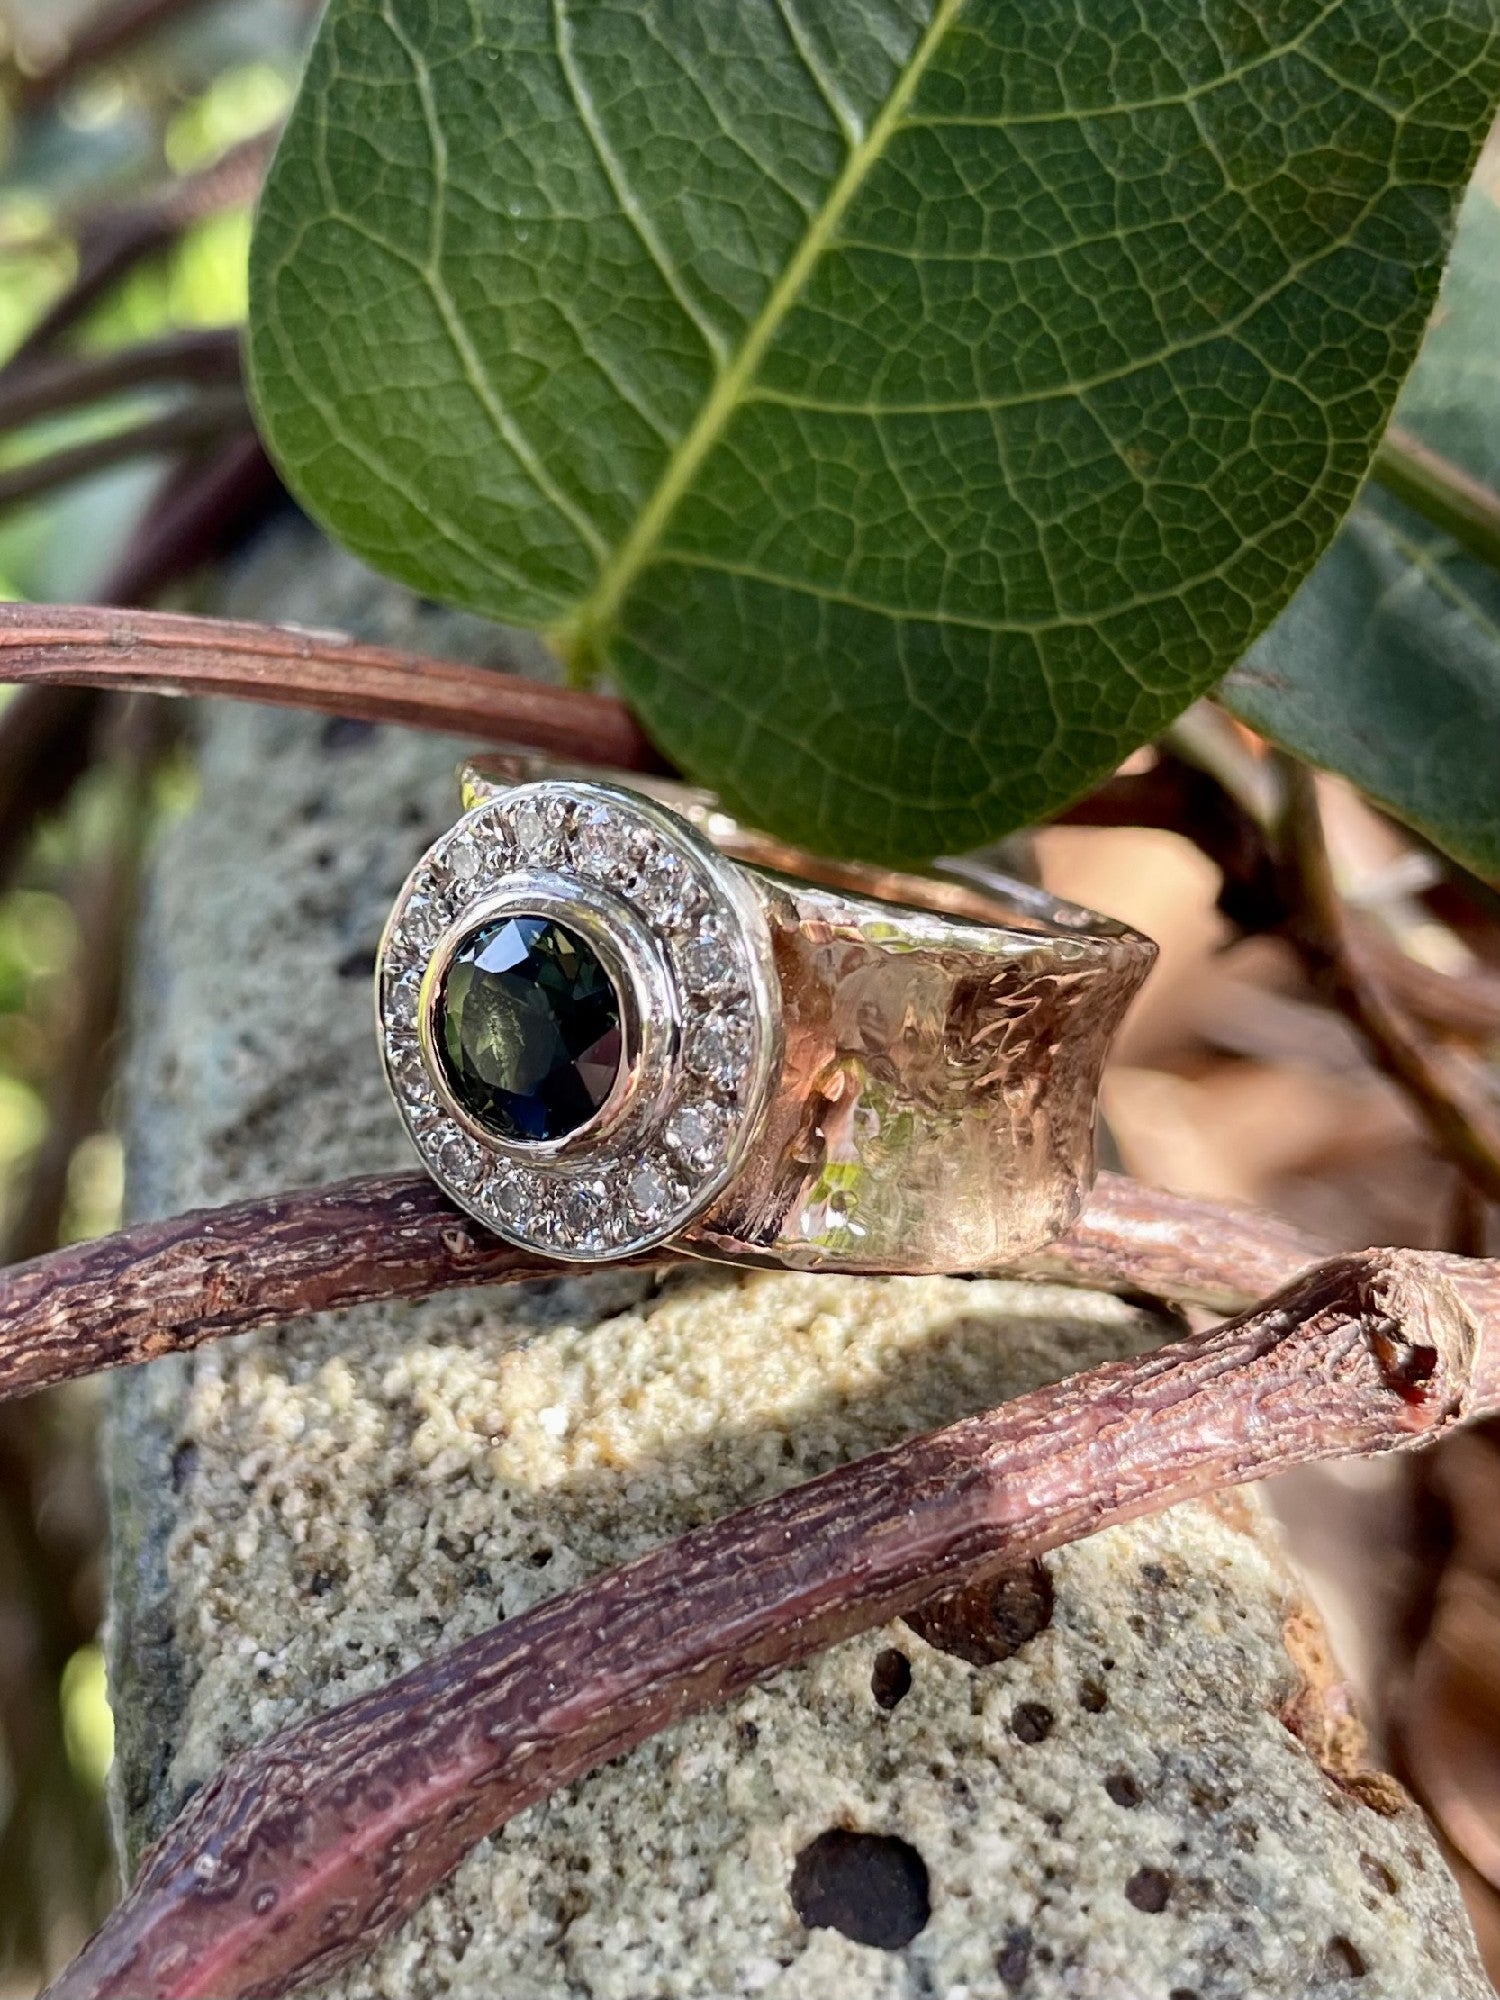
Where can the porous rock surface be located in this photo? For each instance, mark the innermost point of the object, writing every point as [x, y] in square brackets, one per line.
[1140, 1784]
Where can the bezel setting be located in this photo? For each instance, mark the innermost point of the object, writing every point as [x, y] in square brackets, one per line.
[683, 938]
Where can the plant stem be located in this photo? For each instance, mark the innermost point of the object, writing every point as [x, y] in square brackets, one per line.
[163, 653]
[1182, 799]
[202, 509]
[44, 388]
[113, 243]
[104, 904]
[1448, 1091]
[305, 1852]
[202, 420]
[166, 1287]
[1452, 499]
[112, 29]
[47, 742]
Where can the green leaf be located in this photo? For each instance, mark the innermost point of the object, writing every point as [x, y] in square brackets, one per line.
[913, 403]
[1385, 666]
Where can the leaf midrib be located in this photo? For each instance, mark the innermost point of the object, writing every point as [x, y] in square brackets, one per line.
[577, 637]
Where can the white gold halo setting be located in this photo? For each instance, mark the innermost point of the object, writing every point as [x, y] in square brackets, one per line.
[679, 935]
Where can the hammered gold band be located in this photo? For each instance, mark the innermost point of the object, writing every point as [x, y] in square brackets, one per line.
[920, 1055]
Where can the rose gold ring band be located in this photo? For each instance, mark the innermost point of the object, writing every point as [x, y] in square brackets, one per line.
[936, 1059]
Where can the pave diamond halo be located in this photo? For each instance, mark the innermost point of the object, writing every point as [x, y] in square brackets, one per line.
[579, 1015]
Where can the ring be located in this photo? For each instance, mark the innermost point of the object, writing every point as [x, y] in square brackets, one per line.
[612, 1017]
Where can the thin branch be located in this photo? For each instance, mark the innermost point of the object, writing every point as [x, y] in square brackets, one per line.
[47, 742]
[112, 244]
[1174, 797]
[1449, 1093]
[1134, 1239]
[167, 1287]
[203, 508]
[104, 904]
[1449, 497]
[1180, 798]
[162, 653]
[304, 1853]
[1465, 1004]
[204, 419]
[113, 29]
[44, 388]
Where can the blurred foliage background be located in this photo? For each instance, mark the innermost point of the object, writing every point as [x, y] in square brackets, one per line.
[134, 135]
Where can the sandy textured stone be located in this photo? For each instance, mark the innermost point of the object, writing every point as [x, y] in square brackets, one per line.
[1159, 1795]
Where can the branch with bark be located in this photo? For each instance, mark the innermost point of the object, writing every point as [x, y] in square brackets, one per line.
[1449, 1091]
[110, 32]
[306, 1851]
[51, 386]
[165, 653]
[1434, 486]
[113, 242]
[309, 1849]
[1275, 878]
[203, 420]
[168, 1287]
[205, 506]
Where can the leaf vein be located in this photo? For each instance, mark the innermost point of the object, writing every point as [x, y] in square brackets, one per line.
[580, 631]
[614, 172]
[508, 433]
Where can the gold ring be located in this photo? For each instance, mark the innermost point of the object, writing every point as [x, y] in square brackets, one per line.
[613, 1017]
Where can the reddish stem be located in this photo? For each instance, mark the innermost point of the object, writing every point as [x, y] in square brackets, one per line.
[160, 652]
[167, 1287]
[305, 1852]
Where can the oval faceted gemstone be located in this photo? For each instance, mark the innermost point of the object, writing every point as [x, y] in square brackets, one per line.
[528, 1028]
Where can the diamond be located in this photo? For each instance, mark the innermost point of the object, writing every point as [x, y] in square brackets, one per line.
[718, 1047]
[400, 954]
[464, 860]
[596, 838]
[424, 919]
[402, 990]
[528, 1028]
[707, 960]
[695, 1131]
[665, 889]
[408, 1071]
[580, 1210]
[648, 1190]
[457, 1157]
[535, 824]
[510, 1198]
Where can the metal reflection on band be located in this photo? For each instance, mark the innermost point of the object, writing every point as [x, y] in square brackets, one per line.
[821, 1066]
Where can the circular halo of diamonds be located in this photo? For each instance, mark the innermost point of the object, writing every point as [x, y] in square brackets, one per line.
[613, 1193]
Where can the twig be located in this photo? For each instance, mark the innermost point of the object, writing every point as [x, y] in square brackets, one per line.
[1175, 797]
[1135, 1239]
[202, 509]
[73, 381]
[1448, 1093]
[167, 1287]
[1434, 486]
[51, 1838]
[112, 244]
[1465, 1004]
[103, 901]
[113, 29]
[46, 744]
[162, 653]
[303, 1853]
[202, 420]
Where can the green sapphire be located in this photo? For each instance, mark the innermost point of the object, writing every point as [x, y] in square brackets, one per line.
[528, 1028]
